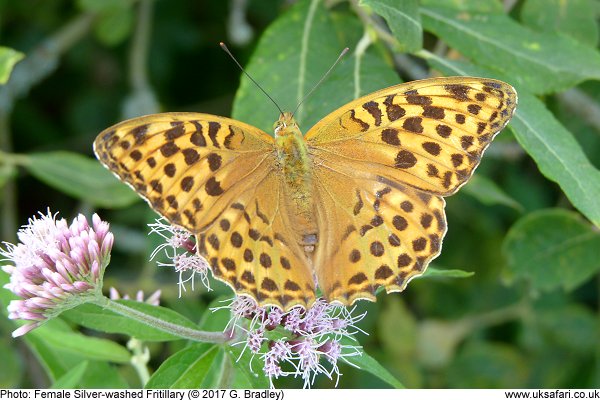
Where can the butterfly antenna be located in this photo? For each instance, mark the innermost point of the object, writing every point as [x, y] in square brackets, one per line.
[224, 47]
[322, 79]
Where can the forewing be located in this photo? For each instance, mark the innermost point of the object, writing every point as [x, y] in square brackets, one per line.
[216, 178]
[427, 134]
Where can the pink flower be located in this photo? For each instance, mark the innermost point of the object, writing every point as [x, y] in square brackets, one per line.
[312, 337]
[54, 266]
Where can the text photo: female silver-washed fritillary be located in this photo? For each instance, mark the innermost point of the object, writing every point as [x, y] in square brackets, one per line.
[354, 205]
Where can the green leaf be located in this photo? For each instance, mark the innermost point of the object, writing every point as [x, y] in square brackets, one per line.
[552, 248]
[246, 365]
[476, 6]
[72, 378]
[7, 172]
[101, 375]
[104, 320]
[556, 153]
[8, 59]
[103, 6]
[294, 53]
[539, 62]
[488, 365]
[47, 356]
[114, 26]
[403, 19]
[575, 18]
[434, 272]
[185, 369]
[487, 192]
[370, 365]
[84, 346]
[80, 177]
[10, 377]
[572, 327]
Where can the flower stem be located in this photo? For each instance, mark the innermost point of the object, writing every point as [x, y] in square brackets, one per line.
[174, 329]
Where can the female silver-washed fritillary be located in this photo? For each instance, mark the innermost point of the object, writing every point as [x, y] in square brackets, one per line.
[356, 204]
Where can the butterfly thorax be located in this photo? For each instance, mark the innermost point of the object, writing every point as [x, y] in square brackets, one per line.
[295, 163]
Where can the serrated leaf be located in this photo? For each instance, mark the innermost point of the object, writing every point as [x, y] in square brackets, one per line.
[72, 378]
[487, 192]
[540, 62]
[552, 248]
[290, 58]
[185, 369]
[557, 154]
[403, 19]
[575, 18]
[8, 59]
[104, 320]
[83, 346]
[80, 177]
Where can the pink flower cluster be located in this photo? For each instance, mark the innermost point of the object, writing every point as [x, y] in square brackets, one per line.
[53, 262]
[310, 336]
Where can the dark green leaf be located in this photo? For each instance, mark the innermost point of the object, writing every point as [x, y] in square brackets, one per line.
[8, 59]
[83, 346]
[539, 62]
[291, 57]
[552, 248]
[572, 327]
[80, 177]
[98, 318]
[403, 19]
[10, 377]
[102, 375]
[556, 153]
[371, 365]
[487, 192]
[72, 378]
[185, 369]
[47, 356]
[575, 18]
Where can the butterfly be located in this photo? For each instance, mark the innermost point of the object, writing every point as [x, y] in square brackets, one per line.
[354, 205]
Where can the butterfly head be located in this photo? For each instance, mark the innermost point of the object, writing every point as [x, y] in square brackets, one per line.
[286, 125]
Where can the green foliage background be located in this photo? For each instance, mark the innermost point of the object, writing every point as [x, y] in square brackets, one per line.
[527, 225]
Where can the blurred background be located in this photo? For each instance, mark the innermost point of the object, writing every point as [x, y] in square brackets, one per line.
[90, 64]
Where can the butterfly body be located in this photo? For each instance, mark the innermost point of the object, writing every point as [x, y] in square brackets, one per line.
[354, 205]
[296, 171]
